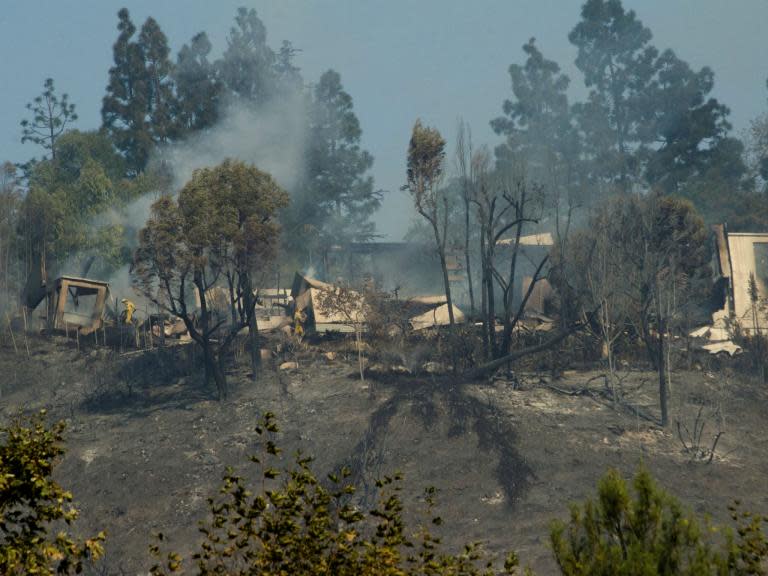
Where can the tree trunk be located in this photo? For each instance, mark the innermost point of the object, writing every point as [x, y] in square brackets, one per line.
[444, 266]
[468, 259]
[663, 389]
[254, 340]
[491, 320]
[219, 377]
[489, 367]
[255, 344]
[359, 340]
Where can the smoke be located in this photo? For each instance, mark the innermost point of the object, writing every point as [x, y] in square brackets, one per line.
[272, 137]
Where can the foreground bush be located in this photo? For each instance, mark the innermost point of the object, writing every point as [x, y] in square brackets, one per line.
[32, 505]
[649, 533]
[294, 525]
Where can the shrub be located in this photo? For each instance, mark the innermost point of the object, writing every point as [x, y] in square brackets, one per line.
[649, 533]
[293, 524]
[32, 504]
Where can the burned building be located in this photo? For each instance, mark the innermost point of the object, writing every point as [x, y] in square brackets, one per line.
[740, 259]
[71, 303]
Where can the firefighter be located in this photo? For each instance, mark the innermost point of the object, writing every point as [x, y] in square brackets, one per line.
[299, 317]
[126, 316]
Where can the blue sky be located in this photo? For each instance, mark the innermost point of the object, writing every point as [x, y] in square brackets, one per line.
[399, 59]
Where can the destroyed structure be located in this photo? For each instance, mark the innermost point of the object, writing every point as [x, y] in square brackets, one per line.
[739, 259]
[71, 303]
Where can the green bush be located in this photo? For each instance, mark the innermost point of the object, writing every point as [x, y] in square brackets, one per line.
[292, 524]
[649, 533]
[32, 505]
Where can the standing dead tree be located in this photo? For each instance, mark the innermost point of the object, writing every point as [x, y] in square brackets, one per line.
[464, 154]
[426, 158]
[504, 206]
[595, 269]
[649, 254]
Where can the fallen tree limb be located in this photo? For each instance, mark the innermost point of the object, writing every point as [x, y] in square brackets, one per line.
[484, 369]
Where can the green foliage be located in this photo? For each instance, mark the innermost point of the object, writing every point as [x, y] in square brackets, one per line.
[50, 117]
[618, 63]
[648, 532]
[426, 159]
[649, 118]
[538, 124]
[293, 523]
[247, 67]
[138, 110]
[62, 216]
[198, 89]
[32, 504]
[338, 198]
[220, 234]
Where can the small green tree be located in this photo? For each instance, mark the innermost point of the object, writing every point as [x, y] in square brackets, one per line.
[32, 504]
[649, 532]
[50, 116]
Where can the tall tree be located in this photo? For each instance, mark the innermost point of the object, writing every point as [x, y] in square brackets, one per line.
[138, 110]
[658, 246]
[691, 129]
[425, 165]
[160, 98]
[125, 105]
[288, 74]
[247, 67]
[541, 135]
[50, 116]
[537, 122]
[338, 167]
[65, 196]
[197, 86]
[467, 179]
[618, 63]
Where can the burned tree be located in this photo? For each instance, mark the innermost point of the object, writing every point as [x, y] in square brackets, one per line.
[220, 234]
[466, 167]
[426, 157]
[595, 271]
[504, 206]
[658, 260]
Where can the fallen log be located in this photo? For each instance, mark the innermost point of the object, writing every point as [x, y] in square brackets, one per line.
[484, 370]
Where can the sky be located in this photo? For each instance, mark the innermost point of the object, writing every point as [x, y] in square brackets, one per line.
[438, 60]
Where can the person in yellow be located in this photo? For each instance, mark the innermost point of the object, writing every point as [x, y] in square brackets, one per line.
[126, 316]
[299, 317]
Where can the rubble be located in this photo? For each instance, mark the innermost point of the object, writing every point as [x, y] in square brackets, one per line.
[436, 317]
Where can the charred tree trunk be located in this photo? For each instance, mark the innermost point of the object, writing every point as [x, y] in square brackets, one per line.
[490, 297]
[444, 265]
[467, 257]
[249, 306]
[484, 298]
[663, 384]
[212, 357]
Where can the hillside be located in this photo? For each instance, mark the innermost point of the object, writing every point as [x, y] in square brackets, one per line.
[147, 443]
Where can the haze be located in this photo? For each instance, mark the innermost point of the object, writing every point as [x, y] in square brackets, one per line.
[399, 59]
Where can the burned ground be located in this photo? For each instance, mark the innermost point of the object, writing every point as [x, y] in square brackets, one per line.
[147, 442]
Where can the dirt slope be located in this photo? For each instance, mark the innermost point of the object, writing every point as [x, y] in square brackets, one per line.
[147, 443]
